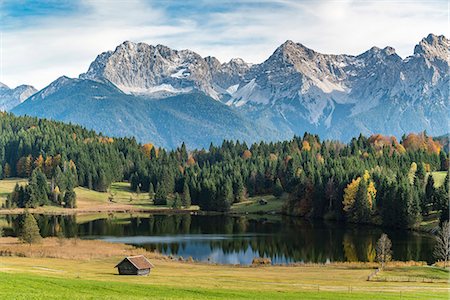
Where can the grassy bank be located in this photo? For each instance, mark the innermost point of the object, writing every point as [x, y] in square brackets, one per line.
[125, 200]
[85, 270]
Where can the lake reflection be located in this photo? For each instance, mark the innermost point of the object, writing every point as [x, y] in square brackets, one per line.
[237, 240]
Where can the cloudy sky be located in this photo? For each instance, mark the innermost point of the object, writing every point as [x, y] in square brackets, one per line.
[42, 40]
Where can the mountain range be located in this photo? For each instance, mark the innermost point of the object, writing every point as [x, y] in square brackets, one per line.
[168, 96]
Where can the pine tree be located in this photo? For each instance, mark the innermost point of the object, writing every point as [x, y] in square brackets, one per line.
[186, 196]
[278, 188]
[428, 198]
[176, 201]
[421, 174]
[29, 232]
[225, 197]
[37, 189]
[102, 185]
[151, 191]
[70, 199]
[160, 195]
[413, 205]
[238, 188]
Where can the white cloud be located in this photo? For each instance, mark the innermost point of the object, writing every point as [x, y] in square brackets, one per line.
[65, 45]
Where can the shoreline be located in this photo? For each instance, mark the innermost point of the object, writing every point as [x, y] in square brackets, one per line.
[169, 211]
[87, 249]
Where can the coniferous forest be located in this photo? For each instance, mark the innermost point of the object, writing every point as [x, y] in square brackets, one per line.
[374, 179]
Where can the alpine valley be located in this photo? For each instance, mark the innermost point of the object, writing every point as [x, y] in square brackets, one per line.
[168, 96]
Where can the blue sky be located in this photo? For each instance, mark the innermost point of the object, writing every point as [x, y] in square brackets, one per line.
[42, 40]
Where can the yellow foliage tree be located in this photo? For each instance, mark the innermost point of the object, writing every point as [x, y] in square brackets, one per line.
[147, 148]
[28, 165]
[306, 146]
[349, 249]
[39, 162]
[350, 194]
[371, 252]
[48, 166]
[72, 165]
[190, 161]
[412, 172]
[366, 175]
[352, 188]
[371, 193]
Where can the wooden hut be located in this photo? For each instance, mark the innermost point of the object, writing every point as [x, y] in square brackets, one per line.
[134, 265]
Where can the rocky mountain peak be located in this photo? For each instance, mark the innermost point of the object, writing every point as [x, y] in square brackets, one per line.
[3, 86]
[9, 98]
[289, 51]
[434, 47]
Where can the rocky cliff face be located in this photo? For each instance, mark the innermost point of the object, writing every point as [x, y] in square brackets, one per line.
[159, 71]
[10, 98]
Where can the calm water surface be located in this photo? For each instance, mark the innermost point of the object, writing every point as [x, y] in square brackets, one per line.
[237, 240]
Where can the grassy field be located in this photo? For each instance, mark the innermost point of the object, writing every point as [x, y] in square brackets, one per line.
[92, 201]
[252, 205]
[85, 270]
[417, 274]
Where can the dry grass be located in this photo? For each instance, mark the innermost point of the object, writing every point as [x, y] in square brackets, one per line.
[69, 249]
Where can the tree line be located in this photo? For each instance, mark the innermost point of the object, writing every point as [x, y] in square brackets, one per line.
[374, 179]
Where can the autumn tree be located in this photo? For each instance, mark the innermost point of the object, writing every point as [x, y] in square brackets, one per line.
[56, 195]
[246, 154]
[350, 194]
[39, 162]
[357, 205]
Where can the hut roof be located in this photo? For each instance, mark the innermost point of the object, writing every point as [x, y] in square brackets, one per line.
[139, 261]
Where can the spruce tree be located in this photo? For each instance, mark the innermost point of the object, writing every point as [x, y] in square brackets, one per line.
[151, 191]
[176, 201]
[186, 196]
[29, 232]
[278, 188]
[428, 199]
[160, 195]
[70, 199]
[225, 197]
[37, 189]
[239, 189]
[361, 210]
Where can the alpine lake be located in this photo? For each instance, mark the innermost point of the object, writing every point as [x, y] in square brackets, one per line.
[226, 239]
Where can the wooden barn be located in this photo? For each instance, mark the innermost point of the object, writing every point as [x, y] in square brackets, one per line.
[134, 265]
